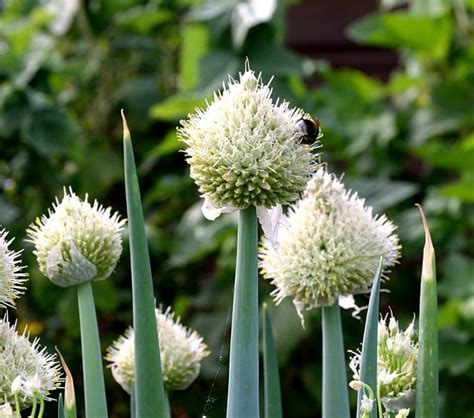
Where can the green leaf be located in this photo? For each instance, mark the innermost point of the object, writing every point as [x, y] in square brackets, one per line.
[216, 67]
[48, 128]
[368, 365]
[94, 387]
[375, 191]
[143, 19]
[243, 390]
[271, 376]
[195, 39]
[212, 9]
[458, 156]
[335, 389]
[176, 107]
[457, 279]
[274, 59]
[149, 397]
[403, 30]
[427, 386]
[461, 189]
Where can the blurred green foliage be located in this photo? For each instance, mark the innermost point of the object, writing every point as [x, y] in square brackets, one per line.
[66, 69]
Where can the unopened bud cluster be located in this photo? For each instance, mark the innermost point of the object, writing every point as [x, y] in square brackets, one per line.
[77, 242]
[331, 245]
[181, 352]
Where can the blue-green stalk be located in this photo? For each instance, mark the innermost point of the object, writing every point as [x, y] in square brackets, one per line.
[94, 387]
[61, 406]
[271, 376]
[427, 385]
[149, 390]
[335, 390]
[242, 400]
[368, 366]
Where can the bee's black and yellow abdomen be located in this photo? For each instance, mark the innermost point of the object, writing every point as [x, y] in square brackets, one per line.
[310, 130]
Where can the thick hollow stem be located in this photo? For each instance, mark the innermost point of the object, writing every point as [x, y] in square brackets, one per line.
[94, 387]
[243, 391]
[335, 389]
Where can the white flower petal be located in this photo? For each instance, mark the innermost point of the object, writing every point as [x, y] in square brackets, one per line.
[211, 211]
[271, 221]
[348, 302]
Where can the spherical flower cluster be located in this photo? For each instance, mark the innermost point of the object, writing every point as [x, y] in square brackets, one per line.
[246, 150]
[12, 278]
[396, 366]
[26, 368]
[181, 352]
[329, 245]
[77, 242]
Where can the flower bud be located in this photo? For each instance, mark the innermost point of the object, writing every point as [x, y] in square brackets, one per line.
[244, 150]
[366, 405]
[77, 242]
[181, 352]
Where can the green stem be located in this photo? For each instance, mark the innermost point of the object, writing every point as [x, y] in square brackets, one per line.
[41, 411]
[243, 391]
[35, 403]
[379, 401]
[335, 389]
[271, 377]
[149, 390]
[17, 405]
[94, 387]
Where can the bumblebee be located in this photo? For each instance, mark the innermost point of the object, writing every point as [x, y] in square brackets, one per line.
[310, 128]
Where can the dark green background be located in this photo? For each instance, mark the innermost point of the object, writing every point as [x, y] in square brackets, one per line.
[407, 140]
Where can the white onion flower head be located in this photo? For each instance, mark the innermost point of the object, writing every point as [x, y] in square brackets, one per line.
[181, 352]
[26, 368]
[12, 277]
[396, 365]
[403, 413]
[244, 149]
[77, 241]
[329, 246]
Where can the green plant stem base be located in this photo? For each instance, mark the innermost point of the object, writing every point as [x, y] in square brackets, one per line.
[94, 387]
[243, 390]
